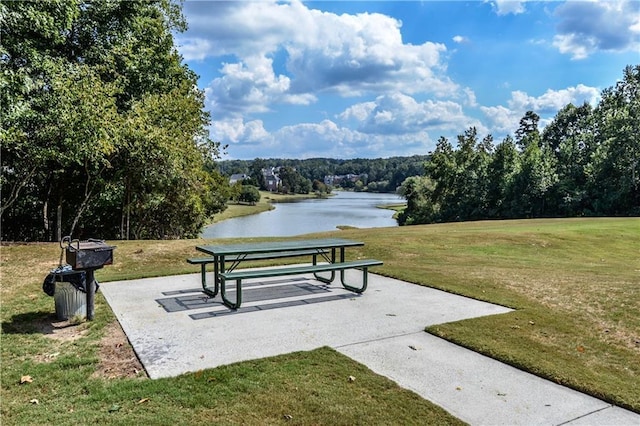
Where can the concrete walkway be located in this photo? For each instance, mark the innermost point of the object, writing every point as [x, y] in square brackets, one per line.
[174, 329]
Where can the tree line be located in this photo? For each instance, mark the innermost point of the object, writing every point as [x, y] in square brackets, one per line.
[104, 132]
[585, 162]
[379, 174]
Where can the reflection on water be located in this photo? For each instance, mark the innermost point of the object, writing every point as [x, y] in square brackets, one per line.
[356, 209]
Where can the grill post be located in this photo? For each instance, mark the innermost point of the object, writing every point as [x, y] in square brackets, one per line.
[91, 291]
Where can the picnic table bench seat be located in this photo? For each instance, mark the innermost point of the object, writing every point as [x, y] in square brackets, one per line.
[239, 275]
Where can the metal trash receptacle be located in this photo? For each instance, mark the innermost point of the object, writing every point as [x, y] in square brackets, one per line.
[69, 291]
[69, 301]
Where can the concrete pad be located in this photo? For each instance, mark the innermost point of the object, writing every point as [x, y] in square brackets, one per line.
[210, 335]
[174, 328]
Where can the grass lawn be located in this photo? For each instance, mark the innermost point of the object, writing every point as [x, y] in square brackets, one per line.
[575, 285]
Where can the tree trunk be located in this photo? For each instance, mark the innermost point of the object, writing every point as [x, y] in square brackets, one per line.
[128, 213]
[59, 220]
[45, 214]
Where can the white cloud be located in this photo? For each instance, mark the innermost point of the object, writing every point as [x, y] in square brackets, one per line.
[553, 100]
[397, 113]
[234, 130]
[329, 139]
[586, 27]
[349, 55]
[504, 120]
[250, 87]
[195, 48]
[393, 124]
[460, 39]
[505, 7]
[359, 112]
[470, 97]
[356, 54]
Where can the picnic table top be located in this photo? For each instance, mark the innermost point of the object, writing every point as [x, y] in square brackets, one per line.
[276, 246]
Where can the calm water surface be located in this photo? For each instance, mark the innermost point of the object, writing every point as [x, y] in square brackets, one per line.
[356, 209]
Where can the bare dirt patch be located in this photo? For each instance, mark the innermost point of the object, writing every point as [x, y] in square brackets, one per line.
[117, 358]
[61, 331]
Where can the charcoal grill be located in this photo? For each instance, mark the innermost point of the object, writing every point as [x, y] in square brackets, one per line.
[88, 256]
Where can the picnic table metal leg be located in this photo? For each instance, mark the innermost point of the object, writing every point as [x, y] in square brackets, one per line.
[223, 291]
[360, 289]
[365, 276]
[205, 288]
[333, 273]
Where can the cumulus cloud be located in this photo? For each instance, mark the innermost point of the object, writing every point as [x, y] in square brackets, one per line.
[250, 87]
[506, 119]
[589, 26]
[502, 120]
[356, 54]
[327, 138]
[235, 130]
[470, 97]
[460, 39]
[393, 124]
[553, 100]
[323, 139]
[505, 7]
[349, 55]
[397, 113]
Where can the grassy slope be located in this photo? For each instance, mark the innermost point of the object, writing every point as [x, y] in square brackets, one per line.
[575, 285]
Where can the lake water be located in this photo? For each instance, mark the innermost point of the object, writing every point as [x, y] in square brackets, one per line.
[356, 209]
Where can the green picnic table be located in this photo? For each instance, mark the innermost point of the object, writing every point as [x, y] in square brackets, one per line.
[227, 257]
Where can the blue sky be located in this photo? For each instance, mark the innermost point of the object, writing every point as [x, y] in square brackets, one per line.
[371, 79]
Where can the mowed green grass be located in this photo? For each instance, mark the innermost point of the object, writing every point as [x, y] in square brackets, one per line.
[574, 285]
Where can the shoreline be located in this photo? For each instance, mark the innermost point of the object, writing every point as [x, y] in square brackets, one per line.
[268, 199]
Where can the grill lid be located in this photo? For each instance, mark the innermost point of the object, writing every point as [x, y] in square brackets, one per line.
[93, 245]
[89, 254]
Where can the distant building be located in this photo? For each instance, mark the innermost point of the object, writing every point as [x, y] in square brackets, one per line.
[237, 177]
[336, 180]
[271, 178]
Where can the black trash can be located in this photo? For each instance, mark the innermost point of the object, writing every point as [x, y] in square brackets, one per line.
[68, 288]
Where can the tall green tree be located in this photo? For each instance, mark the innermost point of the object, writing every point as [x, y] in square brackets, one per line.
[106, 132]
[421, 205]
[614, 170]
[257, 166]
[293, 182]
[528, 131]
[502, 171]
[31, 42]
[441, 169]
[570, 135]
[534, 182]
[585, 162]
